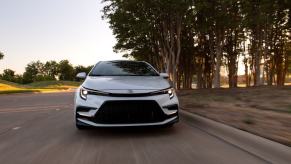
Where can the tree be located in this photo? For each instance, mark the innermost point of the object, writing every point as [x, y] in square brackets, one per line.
[234, 41]
[81, 68]
[38, 71]
[149, 29]
[1, 55]
[51, 69]
[66, 70]
[193, 39]
[8, 75]
[31, 71]
[18, 79]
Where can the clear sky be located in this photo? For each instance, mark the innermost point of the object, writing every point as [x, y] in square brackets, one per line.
[45, 30]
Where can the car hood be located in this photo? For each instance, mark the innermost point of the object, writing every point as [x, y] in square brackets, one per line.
[122, 84]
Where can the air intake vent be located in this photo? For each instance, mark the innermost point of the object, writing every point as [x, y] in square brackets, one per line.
[123, 112]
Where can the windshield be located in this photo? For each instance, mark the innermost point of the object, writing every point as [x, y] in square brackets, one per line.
[123, 68]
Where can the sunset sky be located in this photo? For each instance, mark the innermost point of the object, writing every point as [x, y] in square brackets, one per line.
[53, 30]
[45, 30]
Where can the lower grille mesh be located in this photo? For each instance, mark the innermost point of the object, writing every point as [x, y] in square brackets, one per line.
[122, 112]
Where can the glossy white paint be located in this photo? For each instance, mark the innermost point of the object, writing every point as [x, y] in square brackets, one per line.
[104, 83]
[124, 84]
[81, 75]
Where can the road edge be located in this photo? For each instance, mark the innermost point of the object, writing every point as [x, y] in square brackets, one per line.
[42, 92]
[266, 149]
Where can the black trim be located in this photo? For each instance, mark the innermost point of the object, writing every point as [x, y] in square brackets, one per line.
[130, 111]
[172, 107]
[84, 108]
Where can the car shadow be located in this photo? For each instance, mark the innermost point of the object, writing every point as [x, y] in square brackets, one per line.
[125, 132]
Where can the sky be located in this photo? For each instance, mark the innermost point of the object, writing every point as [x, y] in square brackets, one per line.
[32, 30]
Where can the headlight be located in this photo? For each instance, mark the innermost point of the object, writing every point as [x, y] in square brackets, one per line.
[83, 93]
[171, 92]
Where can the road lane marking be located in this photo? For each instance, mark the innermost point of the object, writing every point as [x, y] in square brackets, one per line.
[16, 128]
[17, 111]
[28, 110]
[36, 106]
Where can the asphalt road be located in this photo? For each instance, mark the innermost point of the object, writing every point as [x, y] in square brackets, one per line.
[39, 128]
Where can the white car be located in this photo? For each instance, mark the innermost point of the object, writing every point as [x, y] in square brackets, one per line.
[125, 93]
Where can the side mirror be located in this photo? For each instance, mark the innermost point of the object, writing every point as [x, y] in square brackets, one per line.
[164, 75]
[81, 75]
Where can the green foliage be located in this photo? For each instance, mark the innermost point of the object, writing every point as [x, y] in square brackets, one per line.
[81, 68]
[251, 29]
[32, 70]
[1, 55]
[248, 120]
[7, 87]
[18, 79]
[140, 26]
[131, 27]
[8, 75]
[51, 69]
[37, 71]
[53, 84]
[66, 70]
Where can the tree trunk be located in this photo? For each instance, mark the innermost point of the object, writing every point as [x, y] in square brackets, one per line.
[219, 45]
[257, 78]
[246, 74]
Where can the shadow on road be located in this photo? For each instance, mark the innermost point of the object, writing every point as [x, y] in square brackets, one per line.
[127, 132]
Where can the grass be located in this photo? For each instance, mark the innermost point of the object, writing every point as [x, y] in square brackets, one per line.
[248, 120]
[44, 86]
[264, 110]
[55, 84]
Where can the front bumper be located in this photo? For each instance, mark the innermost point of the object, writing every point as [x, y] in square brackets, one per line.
[87, 112]
[170, 121]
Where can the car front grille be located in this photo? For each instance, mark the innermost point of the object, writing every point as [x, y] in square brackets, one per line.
[124, 112]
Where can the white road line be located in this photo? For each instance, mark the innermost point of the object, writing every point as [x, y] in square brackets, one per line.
[16, 128]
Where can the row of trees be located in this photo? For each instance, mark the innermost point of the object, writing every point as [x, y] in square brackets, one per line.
[193, 39]
[50, 70]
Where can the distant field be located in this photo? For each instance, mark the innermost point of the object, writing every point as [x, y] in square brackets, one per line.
[44, 86]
